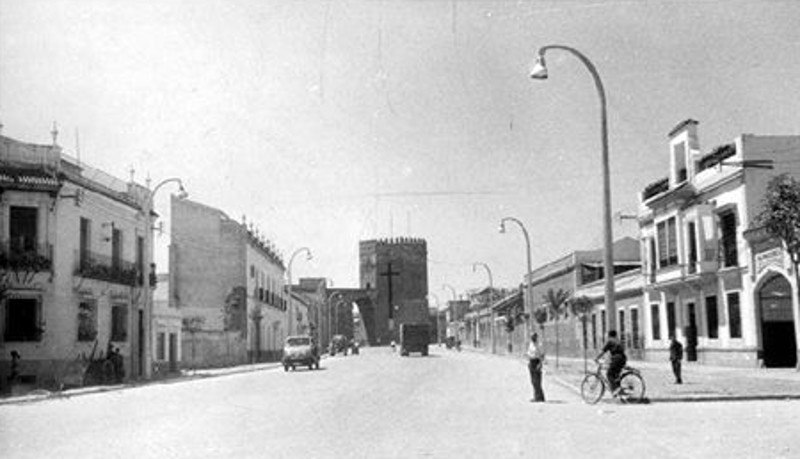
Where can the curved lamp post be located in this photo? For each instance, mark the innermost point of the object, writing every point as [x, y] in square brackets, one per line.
[147, 209]
[289, 275]
[529, 296]
[539, 72]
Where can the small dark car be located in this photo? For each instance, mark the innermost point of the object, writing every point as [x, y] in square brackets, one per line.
[300, 350]
[338, 344]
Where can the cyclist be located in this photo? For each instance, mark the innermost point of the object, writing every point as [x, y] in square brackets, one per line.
[616, 361]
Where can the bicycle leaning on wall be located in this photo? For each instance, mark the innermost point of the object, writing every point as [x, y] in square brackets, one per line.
[631, 385]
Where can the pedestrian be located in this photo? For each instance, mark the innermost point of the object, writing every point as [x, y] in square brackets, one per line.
[675, 357]
[119, 366]
[15, 358]
[616, 360]
[535, 356]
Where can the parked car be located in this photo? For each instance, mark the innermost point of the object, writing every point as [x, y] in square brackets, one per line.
[338, 344]
[300, 350]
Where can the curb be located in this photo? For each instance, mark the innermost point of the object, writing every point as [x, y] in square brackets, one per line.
[32, 398]
[648, 400]
[692, 399]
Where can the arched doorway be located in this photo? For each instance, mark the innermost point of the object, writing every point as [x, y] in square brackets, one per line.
[778, 341]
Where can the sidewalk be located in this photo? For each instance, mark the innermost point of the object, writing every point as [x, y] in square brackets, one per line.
[700, 382]
[184, 375]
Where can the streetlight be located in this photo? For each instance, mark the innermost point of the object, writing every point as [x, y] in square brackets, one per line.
[502, 229]
[539, 72]
[147, 209]
[289, 275]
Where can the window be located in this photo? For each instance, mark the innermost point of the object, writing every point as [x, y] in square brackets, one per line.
[594, 330]
[119, 323]
[252, 271]
[161, 347]
[679, 154]
[734, 315]
[635, 328]
[603, 322]
[622, 335]
[87, 321]
[667, 243]
[116, 249]
[655, 321]
[727, 224]
[23, 320]
[670, 318]
[711, 317]
[140, 257]
[22, 229]
[653, 257]
[691, 232]
[85, 242]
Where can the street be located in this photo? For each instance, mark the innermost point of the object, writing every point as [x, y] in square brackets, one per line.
[376, 405]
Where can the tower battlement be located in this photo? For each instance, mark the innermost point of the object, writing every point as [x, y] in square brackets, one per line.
[396, 241]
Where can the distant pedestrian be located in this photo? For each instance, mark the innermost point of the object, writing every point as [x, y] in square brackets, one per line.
[535, 356]
[14, 376]
[675, 357]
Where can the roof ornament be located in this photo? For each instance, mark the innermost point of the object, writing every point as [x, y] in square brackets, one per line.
[54, 133]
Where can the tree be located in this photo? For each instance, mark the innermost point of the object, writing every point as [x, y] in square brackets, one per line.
[780, 215]
[581, 306]
[556, 303]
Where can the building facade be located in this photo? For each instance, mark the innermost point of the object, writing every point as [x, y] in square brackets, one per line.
[705, 282]
[72, 248]
[570, 274]
[229, 284]
[167, 327]
[397, 271]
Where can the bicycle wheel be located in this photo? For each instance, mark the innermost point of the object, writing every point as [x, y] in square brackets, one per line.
[592, 388]
[631, 387]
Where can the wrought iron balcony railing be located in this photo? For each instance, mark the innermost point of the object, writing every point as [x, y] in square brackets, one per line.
[92, 265]
[24, 255]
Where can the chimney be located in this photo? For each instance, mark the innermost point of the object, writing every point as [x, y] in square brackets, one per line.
[683, 150]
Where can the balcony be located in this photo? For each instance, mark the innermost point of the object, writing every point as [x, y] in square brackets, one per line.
[25, 256]
[92, 265]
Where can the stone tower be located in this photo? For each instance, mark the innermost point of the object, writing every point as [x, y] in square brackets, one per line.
[395, 271]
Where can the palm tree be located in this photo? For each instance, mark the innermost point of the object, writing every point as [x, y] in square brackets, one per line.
[556, 302]
[540, 317]
[581, 306]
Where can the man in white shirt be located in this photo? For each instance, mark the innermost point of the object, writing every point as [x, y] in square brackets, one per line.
[535, 356]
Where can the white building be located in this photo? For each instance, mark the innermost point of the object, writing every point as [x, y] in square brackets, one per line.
[71, 259]
[703, 281]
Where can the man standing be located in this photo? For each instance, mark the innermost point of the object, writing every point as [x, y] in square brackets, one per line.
[675, 357]
[535, 360]
[616, 361]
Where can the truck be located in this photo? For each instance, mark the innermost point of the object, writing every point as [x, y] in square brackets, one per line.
[414, 338]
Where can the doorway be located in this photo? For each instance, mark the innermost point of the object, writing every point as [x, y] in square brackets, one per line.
[778, 342]
[690, 333]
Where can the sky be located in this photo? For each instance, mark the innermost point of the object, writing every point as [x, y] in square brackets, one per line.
[330, 122]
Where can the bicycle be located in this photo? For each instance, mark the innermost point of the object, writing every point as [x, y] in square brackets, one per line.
[631, 386]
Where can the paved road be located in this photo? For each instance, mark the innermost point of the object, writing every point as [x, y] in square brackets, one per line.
[379, 405]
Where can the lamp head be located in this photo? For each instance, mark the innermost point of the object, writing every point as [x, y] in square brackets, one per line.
[182, 193]
[502, 227]
[539, 69]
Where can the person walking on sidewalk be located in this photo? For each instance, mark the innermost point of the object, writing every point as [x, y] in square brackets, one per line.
[675, 357]
[616, 361]
[535, 356]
